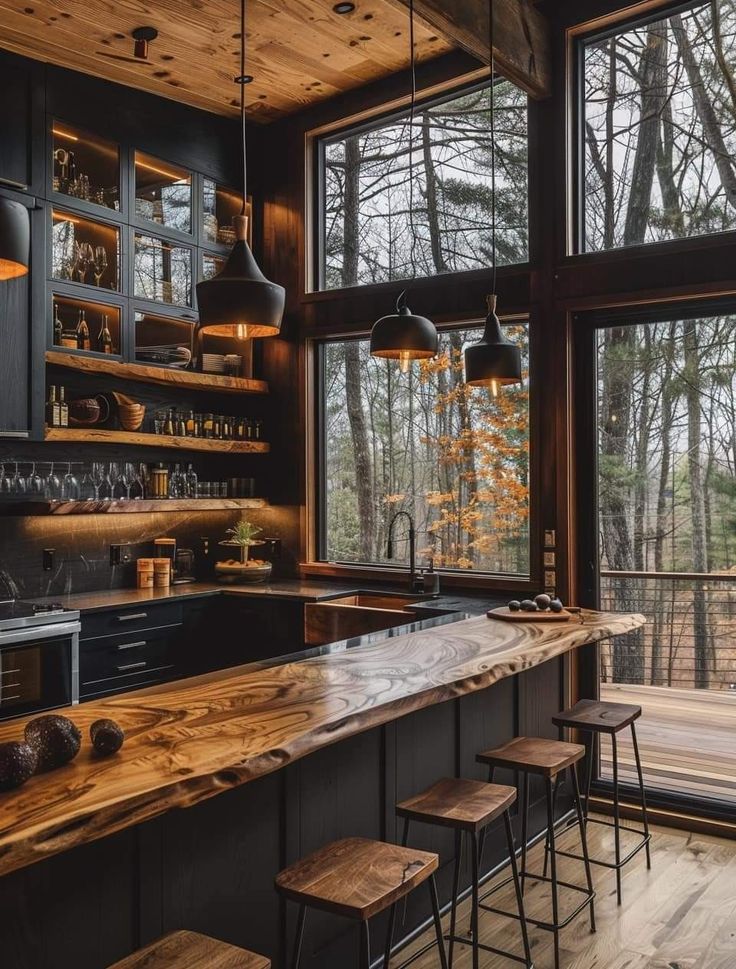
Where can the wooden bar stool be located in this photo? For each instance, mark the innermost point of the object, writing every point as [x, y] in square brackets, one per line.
[468, 807]
[358, 878]
[547, 759]
[190, 950]
[597, 717]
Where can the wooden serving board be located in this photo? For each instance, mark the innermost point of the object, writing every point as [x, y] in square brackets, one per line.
[504, 613]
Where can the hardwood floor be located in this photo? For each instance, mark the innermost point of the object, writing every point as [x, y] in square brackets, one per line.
[686, 739]
[679, 915]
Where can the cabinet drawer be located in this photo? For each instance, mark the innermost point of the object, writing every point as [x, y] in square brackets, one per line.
[124, 656]
[133, 680]
[116, 622]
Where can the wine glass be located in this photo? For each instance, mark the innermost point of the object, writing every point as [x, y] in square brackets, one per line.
[70, 485]
[99, 263]
[102, 481]
[87, 487]
[4, 481]
[84, 259]
[121, 486]
[18, 484]
[36, 484]
[53, 485]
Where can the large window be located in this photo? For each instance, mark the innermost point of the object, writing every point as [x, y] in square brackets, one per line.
[456, 458]
[658, 135]
[377, 223]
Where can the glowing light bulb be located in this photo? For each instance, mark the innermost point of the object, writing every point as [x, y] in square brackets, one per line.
[493, 387]
[242, 331]
[404, 361]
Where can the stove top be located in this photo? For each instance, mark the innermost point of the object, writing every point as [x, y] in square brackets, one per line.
[15, 613]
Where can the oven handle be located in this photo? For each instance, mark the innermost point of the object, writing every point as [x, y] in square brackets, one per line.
[36, 634]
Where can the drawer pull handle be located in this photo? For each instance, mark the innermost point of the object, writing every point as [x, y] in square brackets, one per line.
[131, 645]
[132, 616]
[131, 666]
[8, 672]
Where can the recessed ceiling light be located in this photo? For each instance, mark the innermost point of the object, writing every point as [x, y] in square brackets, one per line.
[344, 7]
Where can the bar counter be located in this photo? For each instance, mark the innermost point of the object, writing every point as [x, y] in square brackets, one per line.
[190, 741]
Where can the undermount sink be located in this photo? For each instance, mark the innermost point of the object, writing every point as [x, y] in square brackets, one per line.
[360, 613]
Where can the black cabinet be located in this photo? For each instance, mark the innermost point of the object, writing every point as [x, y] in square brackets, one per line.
[21, 111]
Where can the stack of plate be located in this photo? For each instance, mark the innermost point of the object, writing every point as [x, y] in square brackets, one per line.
[213, 362]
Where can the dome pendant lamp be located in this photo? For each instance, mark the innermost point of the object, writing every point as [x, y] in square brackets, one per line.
[403, 336]
[239, 301]
[15, 238]
[495, 360]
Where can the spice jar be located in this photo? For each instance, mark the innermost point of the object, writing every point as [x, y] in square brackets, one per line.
[161, 573]
[145, 573]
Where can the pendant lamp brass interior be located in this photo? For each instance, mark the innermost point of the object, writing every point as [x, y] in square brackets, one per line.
[495, 360]
[15, 239]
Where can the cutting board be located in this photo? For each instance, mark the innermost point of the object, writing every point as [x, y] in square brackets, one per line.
[505, 614]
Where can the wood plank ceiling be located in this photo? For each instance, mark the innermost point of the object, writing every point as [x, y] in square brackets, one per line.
[299, 51]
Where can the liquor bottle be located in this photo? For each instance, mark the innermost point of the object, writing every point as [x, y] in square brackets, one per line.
[191, 480]
[53, 416]
[104, 339]
[83, 340]
[58, 327]
[170, 422]
[63, 409]
[177, 483]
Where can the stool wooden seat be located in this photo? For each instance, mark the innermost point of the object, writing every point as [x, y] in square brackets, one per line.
[534, 755]
[358, 878]
[455, 802]
[190, 950]
[598, 715]
[468, 807]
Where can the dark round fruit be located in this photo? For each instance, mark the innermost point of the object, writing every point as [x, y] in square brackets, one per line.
[17, 763]
[556, 606]
[107, 737]
[543, 600]
[528, 606]
[55, 739]
[514, 605]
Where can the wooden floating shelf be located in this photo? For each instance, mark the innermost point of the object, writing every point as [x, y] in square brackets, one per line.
[91, 435]
[169, 377]
[25, 508]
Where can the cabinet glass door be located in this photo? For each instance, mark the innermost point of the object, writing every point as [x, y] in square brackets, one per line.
[162, 271]
[163, 193]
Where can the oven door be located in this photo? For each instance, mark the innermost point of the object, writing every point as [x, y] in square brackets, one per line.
[39, 669]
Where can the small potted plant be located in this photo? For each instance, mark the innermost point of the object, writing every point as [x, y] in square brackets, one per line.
[243, 568]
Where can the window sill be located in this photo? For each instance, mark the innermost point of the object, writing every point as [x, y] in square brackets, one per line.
[453, 580]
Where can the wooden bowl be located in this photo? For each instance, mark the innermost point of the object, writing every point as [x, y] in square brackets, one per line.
[130, 412]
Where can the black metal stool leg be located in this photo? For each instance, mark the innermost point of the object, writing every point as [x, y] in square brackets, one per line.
[437, 922]
[365, 946]
[524, 831]
[455, 892]
[554, 814]
[517, 888]
[644, 816]
[616, 816]
[583, 840]
[475, 891]
[298, 939]
[389, 936]
[553, 872]
[594, 741]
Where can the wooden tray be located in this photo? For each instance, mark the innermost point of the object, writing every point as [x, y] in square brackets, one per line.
[504, 613]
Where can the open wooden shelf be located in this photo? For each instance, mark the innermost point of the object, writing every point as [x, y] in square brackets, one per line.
[24, 508]
[92, 435]
[169, 377]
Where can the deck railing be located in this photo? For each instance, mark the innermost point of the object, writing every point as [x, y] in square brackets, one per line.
[689, 641]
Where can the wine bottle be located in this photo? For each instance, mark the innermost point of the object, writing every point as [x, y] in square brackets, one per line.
[104, 339]
[52, 408]
[58, 327]
[63, 409]
[191, 479]
[83, 340]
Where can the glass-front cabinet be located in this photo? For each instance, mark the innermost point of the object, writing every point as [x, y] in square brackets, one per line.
[86, 325]
[219, 205]
[162, 341]
[162, 271]
[84, 166]
[211, 264]
[85, 251]
[163, 193]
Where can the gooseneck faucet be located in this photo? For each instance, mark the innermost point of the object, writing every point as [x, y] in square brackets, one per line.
[413, 583]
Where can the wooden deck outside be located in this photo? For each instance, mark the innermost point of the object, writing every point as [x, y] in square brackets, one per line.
[687, 740]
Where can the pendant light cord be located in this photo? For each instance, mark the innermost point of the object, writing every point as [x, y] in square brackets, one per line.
[491, 46]
[242, 102]
[412, 117]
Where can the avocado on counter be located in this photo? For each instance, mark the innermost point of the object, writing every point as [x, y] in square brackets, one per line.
[107, 736]
[55, 739]
[18, 762]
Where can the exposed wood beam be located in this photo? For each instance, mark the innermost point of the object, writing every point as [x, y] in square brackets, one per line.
[522, 36]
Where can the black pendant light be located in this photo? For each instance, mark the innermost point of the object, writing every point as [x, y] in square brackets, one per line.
[15, 239]
[495, 360]
[403, 336]
[239, 301]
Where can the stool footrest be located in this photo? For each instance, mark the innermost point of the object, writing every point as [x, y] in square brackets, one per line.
[547, 926]
[489, 948]
[645, 840]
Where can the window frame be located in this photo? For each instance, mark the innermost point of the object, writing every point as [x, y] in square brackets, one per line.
[315, 215]
[316, 565]
[578, 37]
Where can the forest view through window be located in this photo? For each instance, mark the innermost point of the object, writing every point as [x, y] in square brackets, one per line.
[368, 234]
[659, 129]
[454, 457]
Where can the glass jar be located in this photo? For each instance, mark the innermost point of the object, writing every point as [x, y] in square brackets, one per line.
[159, 481]
[209, 425]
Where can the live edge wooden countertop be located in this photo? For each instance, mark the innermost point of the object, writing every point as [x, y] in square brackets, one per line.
[200, 737]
